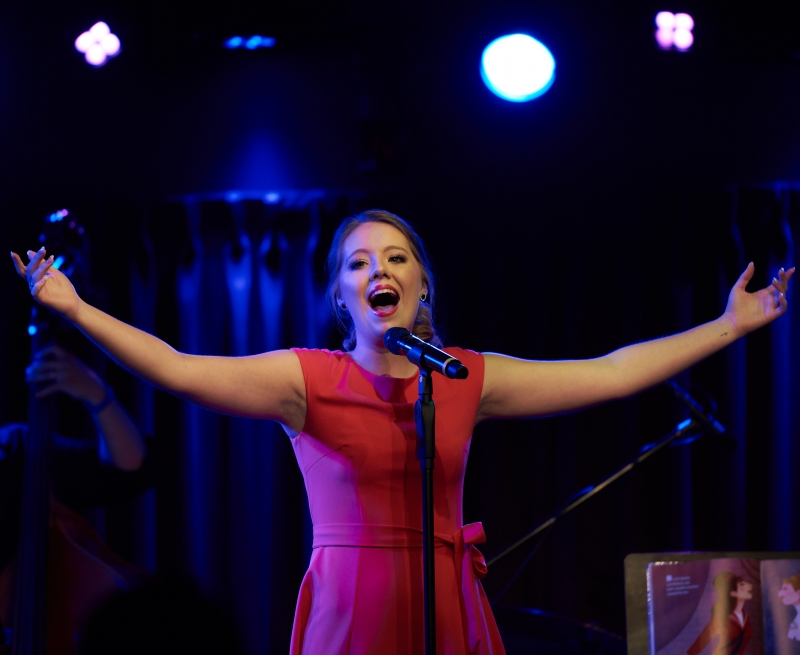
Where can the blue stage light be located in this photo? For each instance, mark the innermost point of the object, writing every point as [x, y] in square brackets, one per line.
[249, 43]
[32, 329]
[55, 217]
[59, 261]
[517, 67]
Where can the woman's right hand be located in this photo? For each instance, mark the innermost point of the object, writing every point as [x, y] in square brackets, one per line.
[49, 286]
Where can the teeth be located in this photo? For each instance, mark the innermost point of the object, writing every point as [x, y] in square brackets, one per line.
[377, 291]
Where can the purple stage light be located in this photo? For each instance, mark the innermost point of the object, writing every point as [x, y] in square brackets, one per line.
[664, 37]
[98, 44]
[665, 20]
[683, 39]
[110, 44]
[684, 22]
[674, 30]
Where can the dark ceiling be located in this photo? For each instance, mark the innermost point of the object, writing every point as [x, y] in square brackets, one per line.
[369, 96]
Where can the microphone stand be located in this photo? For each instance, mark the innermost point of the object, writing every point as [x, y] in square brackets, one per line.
[399, 341]
[681, 431]
[680, 436]
[424, 417]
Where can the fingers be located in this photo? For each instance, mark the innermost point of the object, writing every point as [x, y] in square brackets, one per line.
[35, 257]
[46, 371]
[54, 374]
[18, 265]
[53, 351]
[779, 288]
[41, 271]
[34, 271]
[47, 391]
[746, 276]
[785, 276]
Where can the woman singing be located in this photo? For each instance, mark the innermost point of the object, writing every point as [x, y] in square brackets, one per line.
[350, 418]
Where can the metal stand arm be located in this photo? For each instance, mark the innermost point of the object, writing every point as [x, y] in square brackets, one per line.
[650, 449]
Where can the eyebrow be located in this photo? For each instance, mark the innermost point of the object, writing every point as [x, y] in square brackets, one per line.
[357, 250]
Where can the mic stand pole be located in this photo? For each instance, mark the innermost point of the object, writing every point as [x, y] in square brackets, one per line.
[682, 430]
[424, 416]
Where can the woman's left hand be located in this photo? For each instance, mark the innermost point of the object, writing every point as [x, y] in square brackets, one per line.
[750, 311]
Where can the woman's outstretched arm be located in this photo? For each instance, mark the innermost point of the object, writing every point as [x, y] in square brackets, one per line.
[522, 388]
[270, 385]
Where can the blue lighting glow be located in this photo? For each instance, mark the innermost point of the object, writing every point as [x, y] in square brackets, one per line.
[59, 261]
[249, 43]
[685, 424]
[517, 67]
[55, 217]
[32, 329]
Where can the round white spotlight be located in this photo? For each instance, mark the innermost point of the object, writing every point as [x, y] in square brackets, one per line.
[517, 67]
[98, 44]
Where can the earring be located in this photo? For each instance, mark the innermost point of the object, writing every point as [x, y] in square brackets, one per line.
[423, 297]
[343, 306]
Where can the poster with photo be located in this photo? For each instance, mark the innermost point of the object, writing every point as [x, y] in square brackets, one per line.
[780, 589]
[705, 607]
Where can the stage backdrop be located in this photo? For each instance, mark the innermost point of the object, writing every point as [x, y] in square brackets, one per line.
[241, 273]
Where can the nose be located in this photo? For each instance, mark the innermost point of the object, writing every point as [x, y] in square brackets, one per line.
[378, 271]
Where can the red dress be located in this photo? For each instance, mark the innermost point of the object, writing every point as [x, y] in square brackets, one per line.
[362, 592]
[734, 636]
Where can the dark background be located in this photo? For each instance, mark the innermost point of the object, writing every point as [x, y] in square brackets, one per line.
[619, 206]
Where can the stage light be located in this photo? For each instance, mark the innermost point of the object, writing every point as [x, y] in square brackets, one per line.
[249, 43]
[32, 329]
[59, 262]
[98, 44]
[517, 67]
[55, 217]
[674, 30]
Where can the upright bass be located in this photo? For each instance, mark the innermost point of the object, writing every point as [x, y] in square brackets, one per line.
[62, 569]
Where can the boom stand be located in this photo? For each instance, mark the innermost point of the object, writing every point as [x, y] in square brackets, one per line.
[677, 438]
[424, 416]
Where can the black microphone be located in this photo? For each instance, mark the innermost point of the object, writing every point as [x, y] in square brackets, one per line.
[400, 341]
[699, 411]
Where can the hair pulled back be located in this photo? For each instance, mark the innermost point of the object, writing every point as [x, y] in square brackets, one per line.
[424, 326]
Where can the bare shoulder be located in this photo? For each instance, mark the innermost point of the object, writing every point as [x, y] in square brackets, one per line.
[500, 373]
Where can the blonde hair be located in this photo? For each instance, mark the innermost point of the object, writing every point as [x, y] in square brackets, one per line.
[424, 326]
[794, 581]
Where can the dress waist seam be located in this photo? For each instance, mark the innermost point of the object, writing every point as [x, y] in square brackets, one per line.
[371, 535]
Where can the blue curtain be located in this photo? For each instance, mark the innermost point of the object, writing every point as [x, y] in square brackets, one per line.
[231, 275]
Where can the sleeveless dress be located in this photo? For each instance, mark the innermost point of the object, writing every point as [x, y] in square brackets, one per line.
[363, 592]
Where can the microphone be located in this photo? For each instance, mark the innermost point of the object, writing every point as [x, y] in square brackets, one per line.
[706, 417]
[400, 341]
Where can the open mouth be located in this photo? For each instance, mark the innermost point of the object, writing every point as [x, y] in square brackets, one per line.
[383, 299]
